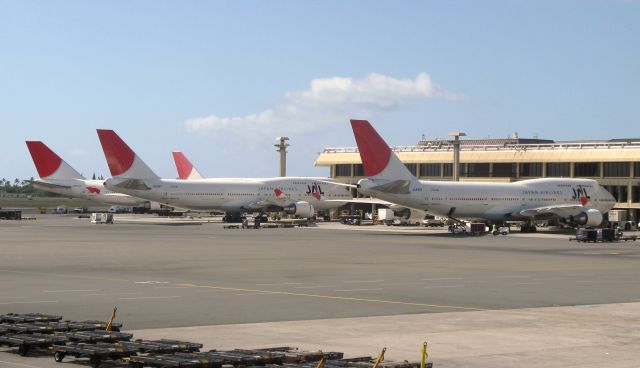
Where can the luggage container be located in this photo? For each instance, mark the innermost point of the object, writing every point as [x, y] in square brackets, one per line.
[102, 218]
[475, 228]
[586, 235]
[606, 235]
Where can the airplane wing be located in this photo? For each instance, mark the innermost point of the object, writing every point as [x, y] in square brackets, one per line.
[361, 200]
[559, 210]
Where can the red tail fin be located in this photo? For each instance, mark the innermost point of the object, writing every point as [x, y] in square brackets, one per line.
[183, 164]
[46, 161]
[374, 151]
[119, 156]
[123, 162]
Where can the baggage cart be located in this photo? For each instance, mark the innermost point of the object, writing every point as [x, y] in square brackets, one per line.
[175, 361]
[95, 336]
[163, 346]
[28, 318]
[96, 353]
[28, 342]
[293, 355]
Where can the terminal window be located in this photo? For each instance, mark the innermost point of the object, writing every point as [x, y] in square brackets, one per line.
[432, 170]
[531, 169]
[358, 170]
[558, 169]
[504, 170]
[587, 169]
[448, 170]
[343, 170]
[616, 169]
[478, 169]
[413, 168]
[635, 194]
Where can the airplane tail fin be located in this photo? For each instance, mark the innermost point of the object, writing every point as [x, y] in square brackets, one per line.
[185, 169]
[123, 162]
[377, 158]
[49, 164]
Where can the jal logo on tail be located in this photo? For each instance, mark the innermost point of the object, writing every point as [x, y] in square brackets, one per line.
[580, 194]
[315, 191]
[93, 190]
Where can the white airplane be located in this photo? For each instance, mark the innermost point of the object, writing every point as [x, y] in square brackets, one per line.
[294, 195]
[578, 202]
[57, 176]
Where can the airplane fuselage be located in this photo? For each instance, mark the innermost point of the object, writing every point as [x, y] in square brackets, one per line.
[93, 190]
[492, 201]
[234, 194]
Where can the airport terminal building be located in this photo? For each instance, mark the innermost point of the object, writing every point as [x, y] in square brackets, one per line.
[614, 163]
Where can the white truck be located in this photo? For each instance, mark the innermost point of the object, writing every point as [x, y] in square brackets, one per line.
[619, 219]
[386, 216]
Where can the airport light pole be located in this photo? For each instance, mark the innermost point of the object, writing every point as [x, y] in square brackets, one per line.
[456, 154]
[282, 148]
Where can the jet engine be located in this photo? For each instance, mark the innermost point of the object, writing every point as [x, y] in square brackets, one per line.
[301, 208]
[591, 217]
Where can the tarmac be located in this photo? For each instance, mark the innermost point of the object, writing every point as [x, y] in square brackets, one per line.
[507, 301]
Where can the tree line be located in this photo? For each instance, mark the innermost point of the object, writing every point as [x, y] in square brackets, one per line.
[24, 186]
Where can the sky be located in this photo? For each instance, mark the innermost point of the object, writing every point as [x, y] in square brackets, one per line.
[220, 80]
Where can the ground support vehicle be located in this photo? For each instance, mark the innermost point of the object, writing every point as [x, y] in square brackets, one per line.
[502, 230]
[600, 235]
[585, 235]
[28, 342]
[101, 218]
[386, 216]
[619, 219]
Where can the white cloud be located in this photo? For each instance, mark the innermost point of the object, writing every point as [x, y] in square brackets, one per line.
[328, 101]
[77, 151]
